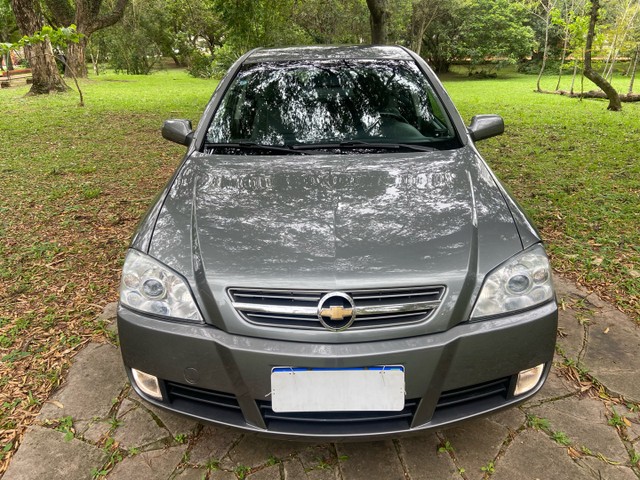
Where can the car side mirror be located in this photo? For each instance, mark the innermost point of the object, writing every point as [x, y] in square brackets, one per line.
[486, 126]
[178, 131]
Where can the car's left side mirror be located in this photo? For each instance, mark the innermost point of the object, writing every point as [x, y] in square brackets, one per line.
[178, 131]
[486, 126]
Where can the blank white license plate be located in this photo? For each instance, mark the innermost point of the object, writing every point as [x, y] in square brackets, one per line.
[379, 388]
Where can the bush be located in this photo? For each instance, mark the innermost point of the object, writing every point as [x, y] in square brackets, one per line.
[200, 65]
[532, 67]
[223, 58]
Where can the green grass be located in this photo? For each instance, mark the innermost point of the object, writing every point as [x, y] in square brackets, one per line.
[76, 180]
[574, 167]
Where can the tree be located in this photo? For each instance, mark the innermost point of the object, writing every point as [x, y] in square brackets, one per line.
[589, 72]
[625, 14]
[632, 68]
[8, 30]
[89, 17]
[548, 8]
[136, 43]
[46, 78]
[442, 40]
[8, 27]
[379, 21]
[423, 13]
[573, 24]
[495, 29]
[333, 21]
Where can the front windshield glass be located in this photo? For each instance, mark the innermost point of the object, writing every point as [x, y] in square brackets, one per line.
[324, 103]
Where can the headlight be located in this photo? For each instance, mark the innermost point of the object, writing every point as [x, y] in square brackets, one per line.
[522, 282]
[149, 286]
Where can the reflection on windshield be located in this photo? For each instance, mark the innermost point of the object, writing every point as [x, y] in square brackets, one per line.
[329, 102]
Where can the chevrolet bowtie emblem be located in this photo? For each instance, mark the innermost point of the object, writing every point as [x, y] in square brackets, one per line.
[336, 311]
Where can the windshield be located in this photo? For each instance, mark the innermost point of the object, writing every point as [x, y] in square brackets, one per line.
[330, 103]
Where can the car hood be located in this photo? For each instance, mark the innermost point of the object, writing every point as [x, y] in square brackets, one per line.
[335, 222]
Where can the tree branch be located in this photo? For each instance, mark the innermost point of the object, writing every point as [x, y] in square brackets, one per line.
[107, 20]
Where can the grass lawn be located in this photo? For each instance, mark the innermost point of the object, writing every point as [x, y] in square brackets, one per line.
[76, 180]
[575, 167]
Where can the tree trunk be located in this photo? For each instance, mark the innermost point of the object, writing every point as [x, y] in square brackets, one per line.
[76, 60]
[633, 69]
[589, 72]
[88, 16]
[565, 45]
[575, 72]
[546, 48]
[44, 70]
[379, 18]
[95, 61]
[595, 94]
[417, 40]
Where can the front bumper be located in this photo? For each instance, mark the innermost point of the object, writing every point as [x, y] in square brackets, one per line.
[452, 376]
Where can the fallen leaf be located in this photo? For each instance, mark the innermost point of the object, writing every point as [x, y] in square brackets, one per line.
[56, 403]
[573, 453]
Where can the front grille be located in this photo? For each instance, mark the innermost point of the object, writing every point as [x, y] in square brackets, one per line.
[338, 422]
[177, 391]
[204, 403]
[474, 398]
[299, 308]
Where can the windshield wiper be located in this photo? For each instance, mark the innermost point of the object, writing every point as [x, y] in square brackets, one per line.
[409, 146]
[255, 146]
[363, 144]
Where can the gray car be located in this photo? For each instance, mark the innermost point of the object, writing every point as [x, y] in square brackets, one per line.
[333, 258]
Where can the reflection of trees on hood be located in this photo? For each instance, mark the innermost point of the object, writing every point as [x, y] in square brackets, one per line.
[283, 211]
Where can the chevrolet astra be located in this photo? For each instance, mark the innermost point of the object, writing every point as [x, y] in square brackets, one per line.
[333, 259]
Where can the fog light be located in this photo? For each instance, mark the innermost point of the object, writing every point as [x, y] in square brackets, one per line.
[527, 379]
[147, 383]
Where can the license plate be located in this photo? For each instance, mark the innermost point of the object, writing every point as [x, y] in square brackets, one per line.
[379, 388]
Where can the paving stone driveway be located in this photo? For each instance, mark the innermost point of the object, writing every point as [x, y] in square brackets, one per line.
[96, 426]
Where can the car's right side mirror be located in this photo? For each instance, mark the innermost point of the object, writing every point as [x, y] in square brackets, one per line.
[178, 131]
[485, 126]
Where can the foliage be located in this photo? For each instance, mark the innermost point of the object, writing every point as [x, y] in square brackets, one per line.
[532, 67]
[254, 23]
[442, 43]
[333, 21]
[128, 46]
[90, 16]
[224, 57]
[59, 37]
[8, 27]
[495, 29]
[201, 65]
[184, 30]
[486, 33]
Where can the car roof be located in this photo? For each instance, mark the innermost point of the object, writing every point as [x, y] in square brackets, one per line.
[322, 52]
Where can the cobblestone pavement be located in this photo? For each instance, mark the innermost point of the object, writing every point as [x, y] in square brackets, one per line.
[583, 424]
